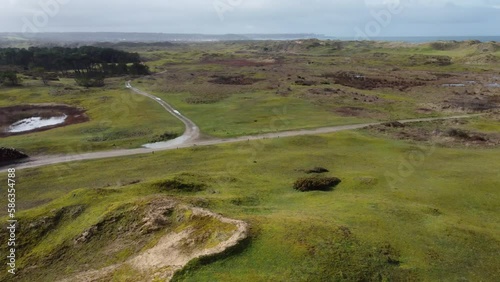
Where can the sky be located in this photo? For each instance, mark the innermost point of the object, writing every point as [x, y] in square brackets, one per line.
[338, 18]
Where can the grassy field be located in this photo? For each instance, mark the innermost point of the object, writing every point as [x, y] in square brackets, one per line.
[437, 221]
[404, 211]
[277, 98]
[118, 118]
[281, 90]
[254, 113]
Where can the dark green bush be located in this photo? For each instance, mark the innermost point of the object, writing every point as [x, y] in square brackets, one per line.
[10, 154]
[180, 185]
[165, 137]
[316, 183]
[458, 133]
[317, 170]
[9, 78]
[90, 79]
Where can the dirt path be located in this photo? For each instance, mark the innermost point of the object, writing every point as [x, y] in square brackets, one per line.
[191, 133]
[190, 138]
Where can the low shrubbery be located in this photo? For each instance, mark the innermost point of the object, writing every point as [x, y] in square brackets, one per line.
[306, 184]
[458, 133]
[9, 154]
[165, 137]
[9, 78]
[461, 134]
[317, 170]
[177, 184]
[90, 79]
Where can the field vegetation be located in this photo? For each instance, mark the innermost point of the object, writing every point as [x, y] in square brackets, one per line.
[392, 202]
[437, 223]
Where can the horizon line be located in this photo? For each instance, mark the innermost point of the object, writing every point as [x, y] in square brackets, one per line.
[257, 33]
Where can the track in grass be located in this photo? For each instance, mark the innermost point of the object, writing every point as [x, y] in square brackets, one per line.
[191, 138]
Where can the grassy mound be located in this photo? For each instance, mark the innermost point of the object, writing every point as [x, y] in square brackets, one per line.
[98, 241]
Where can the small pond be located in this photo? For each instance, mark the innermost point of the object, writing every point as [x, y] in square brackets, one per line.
[33, 123]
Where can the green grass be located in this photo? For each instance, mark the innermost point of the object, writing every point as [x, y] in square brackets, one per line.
[442, 220]
[255, 112]
[436, 219]
[118, 119]
[484, 125]
[117, 214]
[159, 59]
[234, 111]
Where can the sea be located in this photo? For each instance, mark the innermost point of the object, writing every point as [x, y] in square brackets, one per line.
[425, 39]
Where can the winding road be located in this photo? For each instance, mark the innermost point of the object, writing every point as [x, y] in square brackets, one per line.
[190, 138]
[191, 134]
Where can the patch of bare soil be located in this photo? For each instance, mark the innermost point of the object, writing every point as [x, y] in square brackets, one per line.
[233, 80]
[240, 62]
[365, 82]
[444, 133]
[10, 115]
[471, 102]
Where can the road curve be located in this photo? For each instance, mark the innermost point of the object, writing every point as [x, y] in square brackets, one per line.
[191, 133]
[190, 138]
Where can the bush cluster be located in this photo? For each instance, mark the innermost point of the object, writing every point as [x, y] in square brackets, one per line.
[316, 183]
[180, 185]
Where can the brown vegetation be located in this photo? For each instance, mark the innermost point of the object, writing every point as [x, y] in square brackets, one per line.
[233, 80]
[444, 133]
[364, 82]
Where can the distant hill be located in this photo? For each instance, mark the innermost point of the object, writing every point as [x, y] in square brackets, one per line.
[115, 37]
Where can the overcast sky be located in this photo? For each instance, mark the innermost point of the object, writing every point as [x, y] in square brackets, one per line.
[343, 18]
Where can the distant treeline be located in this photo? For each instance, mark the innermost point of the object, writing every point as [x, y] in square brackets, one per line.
[88, 65]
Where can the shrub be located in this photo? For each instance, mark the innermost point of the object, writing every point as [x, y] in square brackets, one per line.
[180, 185]
[9, 78]
[316, 183]
[164, 137]
[317, 170]
[9, 154]
[395, 124]
[458, 133]
[90, 79]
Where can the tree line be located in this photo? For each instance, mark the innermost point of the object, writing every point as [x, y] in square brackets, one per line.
[88, 65]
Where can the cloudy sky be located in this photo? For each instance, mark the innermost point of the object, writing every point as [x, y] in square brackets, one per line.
[343, 18]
